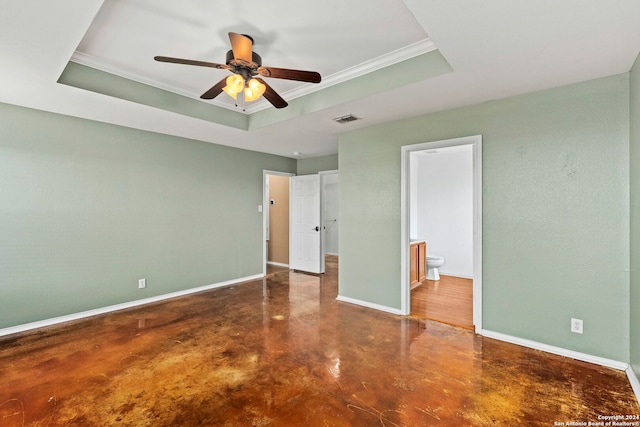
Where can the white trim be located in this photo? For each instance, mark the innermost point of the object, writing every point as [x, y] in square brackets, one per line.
[405, 221]
[382, 61]
[100, 65]
[109, 309]
[460, 276]
[477, 233]
[584, 357]
[391, 58]
[635, 383]
[277, 264]
[369, 305]
[322, 234]
[413, 50]
[476, 142]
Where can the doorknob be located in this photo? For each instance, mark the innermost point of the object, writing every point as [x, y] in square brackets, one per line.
[317, 228]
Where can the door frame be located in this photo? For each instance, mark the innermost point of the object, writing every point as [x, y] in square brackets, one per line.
[322, 237]
[476, 142]
[265, 209]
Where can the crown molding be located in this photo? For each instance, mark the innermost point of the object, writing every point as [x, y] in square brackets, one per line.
[101, 65]
[399, 55]
[416, 49]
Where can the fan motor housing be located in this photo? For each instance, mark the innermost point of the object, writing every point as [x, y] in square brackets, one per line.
[256, 61]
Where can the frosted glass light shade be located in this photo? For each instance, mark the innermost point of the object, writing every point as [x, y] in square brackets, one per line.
[235, 84]
[254, 90]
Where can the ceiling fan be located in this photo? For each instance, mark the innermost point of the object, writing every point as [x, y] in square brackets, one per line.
[246, 65]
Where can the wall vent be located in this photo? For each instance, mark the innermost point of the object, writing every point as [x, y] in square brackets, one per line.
[346, 119]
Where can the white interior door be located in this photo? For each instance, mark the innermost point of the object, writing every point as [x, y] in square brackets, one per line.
[305, 243]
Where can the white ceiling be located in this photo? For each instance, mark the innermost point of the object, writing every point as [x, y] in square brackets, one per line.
[497, 48]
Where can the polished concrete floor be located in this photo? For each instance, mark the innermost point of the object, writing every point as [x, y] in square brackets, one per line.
[283, 352]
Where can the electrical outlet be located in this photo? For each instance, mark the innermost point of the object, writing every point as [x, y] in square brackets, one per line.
[577, 326]
[142, 283]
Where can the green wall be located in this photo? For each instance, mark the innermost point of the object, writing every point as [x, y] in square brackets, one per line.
[634, 104]
[555, 212]
[87, 208]
[314, 165]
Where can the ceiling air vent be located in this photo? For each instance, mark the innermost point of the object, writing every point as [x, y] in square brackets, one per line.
[346, 119]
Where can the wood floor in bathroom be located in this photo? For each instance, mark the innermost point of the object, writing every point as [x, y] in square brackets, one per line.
[448, 300]
[283, 351]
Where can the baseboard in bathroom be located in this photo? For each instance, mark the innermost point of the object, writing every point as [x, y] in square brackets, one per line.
[460, 276]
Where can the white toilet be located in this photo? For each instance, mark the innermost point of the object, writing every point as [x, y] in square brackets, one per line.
[433, 263]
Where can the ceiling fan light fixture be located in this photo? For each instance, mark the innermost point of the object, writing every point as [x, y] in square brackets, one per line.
[235, 84]
[244, 63]
[254, 90]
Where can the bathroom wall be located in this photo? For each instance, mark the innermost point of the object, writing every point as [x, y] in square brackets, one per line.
[444, 186]
[555, 207]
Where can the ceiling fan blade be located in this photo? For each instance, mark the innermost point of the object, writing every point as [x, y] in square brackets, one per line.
[215, 90]
[272, 96]
[241, 46]
[191, 62]
[287, 74]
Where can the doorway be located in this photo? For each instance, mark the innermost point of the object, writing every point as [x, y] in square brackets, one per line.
[276, 209]
[465, 253]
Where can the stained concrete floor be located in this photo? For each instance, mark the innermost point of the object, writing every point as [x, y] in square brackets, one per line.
[283, 352]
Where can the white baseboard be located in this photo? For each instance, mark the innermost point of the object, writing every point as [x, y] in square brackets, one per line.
[369, 305]
[622, 366]
[635, 383]
[104, 310]
[461, 276]
[278, 264]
